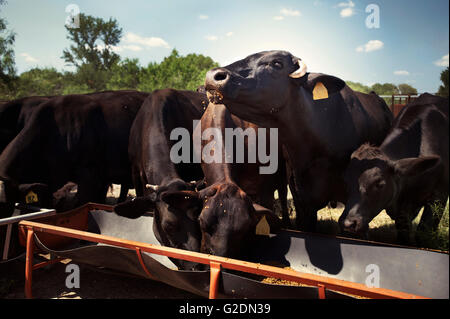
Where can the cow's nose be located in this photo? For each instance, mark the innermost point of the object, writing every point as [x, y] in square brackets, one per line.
[217, 78]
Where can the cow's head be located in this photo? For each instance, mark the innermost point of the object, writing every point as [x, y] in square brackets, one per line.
[259, 86]
[375, 182]
[229, 219]
[35, 194]
[176, 208]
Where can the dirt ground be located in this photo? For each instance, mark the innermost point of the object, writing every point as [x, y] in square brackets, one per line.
[50, 283]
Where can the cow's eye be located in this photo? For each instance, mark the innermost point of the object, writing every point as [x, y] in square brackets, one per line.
[245, 73]
[277, 64]
[380, 185]
[170, 227]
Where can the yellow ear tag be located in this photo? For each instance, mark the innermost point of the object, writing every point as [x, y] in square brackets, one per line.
[31, 197]
[320, 92]
[263, 228]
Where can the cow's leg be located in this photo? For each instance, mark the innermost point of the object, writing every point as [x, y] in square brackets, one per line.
[91, 188]
[305, 210]
[319, 184]
[282, 193]
[403, 226]
[124, 188]
[282, 196]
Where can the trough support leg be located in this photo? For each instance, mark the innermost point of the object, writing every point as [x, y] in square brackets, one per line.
[141, 261]
[321, 291]
[29, 263]
[214, 279]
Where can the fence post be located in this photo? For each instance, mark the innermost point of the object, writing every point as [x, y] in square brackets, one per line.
[29, 263]
[214, 279]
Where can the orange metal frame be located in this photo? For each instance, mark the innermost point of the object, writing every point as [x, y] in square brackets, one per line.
[216, 263]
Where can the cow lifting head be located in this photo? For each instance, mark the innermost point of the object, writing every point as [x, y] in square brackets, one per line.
[375, 182]
[262, 84]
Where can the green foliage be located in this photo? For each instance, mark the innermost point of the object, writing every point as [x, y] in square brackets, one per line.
[94, 40]
[47, 81]
[443, 89]
[7, 62]
[125, 75]
[405, 88]
[177, 72]
[92, 52]
[356, 86]
[385, 89]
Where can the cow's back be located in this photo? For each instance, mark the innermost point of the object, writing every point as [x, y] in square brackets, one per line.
[376, 118]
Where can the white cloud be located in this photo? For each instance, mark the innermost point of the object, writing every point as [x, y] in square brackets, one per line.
[372, 45]
[401, 72]
[132, 47]
[348, 9]
[211, 38]
[203, 17]
[150, 42]
[229, 34]
[349, 4]
[278, 18]
[347, 12]
[28, 57]
[290, 12]
[442, 61]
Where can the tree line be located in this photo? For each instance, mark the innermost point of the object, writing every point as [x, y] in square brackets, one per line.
[98, 67]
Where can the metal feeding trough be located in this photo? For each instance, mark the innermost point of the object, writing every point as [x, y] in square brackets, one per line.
[328, 267]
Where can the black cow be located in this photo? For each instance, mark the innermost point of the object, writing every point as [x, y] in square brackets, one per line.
[229, 207]
[13, 116]
[158, 180]
[237, 194]
[320, 121]
[78, 138]
[178, 203]
[409, 170]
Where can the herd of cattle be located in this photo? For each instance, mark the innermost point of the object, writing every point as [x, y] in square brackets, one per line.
[335, 145]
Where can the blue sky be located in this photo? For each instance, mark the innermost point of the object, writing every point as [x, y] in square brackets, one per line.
[411, 44]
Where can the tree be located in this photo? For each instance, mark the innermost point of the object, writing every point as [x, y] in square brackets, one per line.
[93, 50]
[125, 75]
[47, 81]
[385, 89]
[177, 72]
[443, 89]
[7, 61]
[356, 86]
[407, 89]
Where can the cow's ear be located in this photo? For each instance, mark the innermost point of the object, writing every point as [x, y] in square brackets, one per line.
[322, 86]
[416, 166]
[185, 201]
[268, 222]
[136, 207]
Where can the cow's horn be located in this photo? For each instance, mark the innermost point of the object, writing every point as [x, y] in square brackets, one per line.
[301, 71]
[154, 187]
